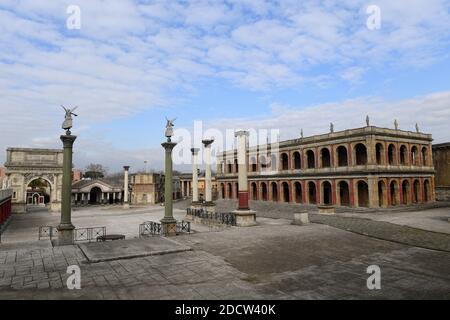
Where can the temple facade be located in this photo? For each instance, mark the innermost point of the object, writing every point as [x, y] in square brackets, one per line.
[363, 167]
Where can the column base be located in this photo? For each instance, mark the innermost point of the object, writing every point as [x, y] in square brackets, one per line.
[168, 227]
[65, 234]
[210, 207]
[328, 210]
[126, 206]
[245, 218]
[196, 205]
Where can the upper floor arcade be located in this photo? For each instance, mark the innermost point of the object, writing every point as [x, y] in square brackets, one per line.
[350, 150]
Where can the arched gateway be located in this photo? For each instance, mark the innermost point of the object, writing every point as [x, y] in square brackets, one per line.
[26, 166]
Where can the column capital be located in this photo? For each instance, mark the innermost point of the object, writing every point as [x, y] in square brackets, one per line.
[207, 142]
[68, 140]
[195, 151]
[126, 168]
[241, 133]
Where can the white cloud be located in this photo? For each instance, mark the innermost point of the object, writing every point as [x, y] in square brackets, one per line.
[431, 112]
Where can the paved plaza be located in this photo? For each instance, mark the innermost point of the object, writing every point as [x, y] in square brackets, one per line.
[274, 260]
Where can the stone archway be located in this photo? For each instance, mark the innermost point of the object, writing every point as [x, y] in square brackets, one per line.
[24, 165]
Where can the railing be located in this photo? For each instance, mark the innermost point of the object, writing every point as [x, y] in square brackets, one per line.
[227, 218]
[149, 228]
[47, 232]
[80, 234]
[88, 234]
[183, 226]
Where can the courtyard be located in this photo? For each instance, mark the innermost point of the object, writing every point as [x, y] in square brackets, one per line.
[273, 260]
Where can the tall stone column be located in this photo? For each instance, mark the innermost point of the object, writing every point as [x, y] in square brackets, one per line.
[210, 205]
[169, 224]
[65, 228]
[195, 203]
[242, 170]
[244, 216]
[126, 204]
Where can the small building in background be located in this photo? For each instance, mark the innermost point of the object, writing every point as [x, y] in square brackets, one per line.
[441, 159]
[77, 175]
[96, 192]
[146, 188]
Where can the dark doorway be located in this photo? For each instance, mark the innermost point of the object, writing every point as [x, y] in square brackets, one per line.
[363, 194]
[344, 193]
[298, 192]
[312, 192]
[326, 190]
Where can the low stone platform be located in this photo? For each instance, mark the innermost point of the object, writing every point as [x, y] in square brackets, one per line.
[127, 249]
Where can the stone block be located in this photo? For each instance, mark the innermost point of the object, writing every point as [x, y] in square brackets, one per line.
[327, 210]
[245, 218]
[301, 219]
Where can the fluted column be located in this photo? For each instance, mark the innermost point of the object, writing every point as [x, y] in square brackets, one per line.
[195, 201]
[208, 188]
[126, 203]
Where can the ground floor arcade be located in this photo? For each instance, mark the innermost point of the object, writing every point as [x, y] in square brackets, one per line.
[372, 191]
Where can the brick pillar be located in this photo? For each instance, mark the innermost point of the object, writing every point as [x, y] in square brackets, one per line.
[372, 183]
[332, 164]
[303, 184]
[349, 155]
[352, 192]
[400, 190]
[333, 192]
[316, 157]
[318, 197]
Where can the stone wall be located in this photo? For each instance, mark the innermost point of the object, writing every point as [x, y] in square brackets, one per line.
[443, 193]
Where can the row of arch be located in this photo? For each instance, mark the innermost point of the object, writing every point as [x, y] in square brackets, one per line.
[385, 154]
[391, 192]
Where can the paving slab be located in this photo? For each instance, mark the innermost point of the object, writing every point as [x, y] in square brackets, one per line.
[127, 249]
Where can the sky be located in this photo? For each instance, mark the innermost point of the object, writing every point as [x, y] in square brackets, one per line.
[249, 64]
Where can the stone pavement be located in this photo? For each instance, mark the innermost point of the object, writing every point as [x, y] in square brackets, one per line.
[387, 231]
[274, 260]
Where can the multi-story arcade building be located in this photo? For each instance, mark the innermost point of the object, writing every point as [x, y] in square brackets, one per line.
[364, 167]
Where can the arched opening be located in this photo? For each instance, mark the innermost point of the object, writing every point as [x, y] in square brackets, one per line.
[230, 191]
[297, 160]
[263, 162]
[237, 190]
[361, 154]
[392, 155]
[344, 193]
[254, 191]
[253, 164]
[381, 193]
[274, 191]
[284, 161]
[393, 193]
[405, 191]
[403, 155]
[363, 194]
[95, 195]
[424, 157]
[379, 151]
[222, 190]
[325, 157]
[326, 191]
[426, 191]
[298, 192]
[264, 191]
[416, 191]
[414, 156]
[229, 167]
[286, 194]
[342, 156]
[310, 159]
[274, 166]
[38, 193]
[312, 197]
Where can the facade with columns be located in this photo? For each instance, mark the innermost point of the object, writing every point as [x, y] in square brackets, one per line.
[363, 167]
[96, 191]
